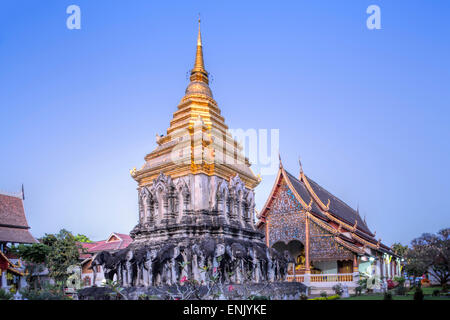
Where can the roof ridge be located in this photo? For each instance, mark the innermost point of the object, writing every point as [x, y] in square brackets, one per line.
[12, 194]
[337, 198]
[340, 200]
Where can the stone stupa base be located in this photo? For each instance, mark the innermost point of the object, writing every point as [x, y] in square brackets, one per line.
[264, 291]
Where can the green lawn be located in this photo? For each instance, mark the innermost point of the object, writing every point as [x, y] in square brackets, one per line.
[427, 291]
[380, 297]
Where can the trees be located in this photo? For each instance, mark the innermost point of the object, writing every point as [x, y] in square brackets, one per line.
[34, 256]
[64, 252]
[399, 249]
[55, 251]
[430, 253]
[82, 238]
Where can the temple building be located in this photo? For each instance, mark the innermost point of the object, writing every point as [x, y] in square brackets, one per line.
[328, 240]
[14, 230]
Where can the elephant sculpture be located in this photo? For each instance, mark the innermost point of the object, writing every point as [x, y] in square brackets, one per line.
[228, 261]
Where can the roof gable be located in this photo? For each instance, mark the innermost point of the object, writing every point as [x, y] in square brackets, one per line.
[13, 222]
[12, 212]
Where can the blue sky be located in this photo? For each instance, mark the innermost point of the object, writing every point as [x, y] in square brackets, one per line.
[367, 110]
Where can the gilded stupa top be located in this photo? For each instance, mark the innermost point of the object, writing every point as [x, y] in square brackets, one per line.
[199, 76]
[197, 140]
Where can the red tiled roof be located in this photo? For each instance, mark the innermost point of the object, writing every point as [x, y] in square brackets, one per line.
[104, 245]
[13, 222]
[12, 212]
[88, 245]
[16, 235]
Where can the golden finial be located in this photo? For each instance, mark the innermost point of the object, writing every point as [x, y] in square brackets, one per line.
[300, 163]
[356, 224]
[199, 38]
[279, 158]
[199, 73]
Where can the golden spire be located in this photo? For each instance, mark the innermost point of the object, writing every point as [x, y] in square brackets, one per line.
[199, 73]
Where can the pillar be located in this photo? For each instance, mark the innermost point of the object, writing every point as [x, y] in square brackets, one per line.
[4, 284]
[355, 264]
[307, 261]
[307, 276]
[355, 269]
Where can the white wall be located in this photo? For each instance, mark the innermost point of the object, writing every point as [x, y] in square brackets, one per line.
[328, 267]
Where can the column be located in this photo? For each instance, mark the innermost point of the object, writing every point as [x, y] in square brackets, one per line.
[4, 283]
[355, 269]
[307, 261]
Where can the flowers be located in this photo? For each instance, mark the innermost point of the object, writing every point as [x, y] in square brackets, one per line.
[184, 279]
[230, 288]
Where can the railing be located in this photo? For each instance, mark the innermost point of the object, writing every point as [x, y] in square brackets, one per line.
[296, 278]
[342, 277]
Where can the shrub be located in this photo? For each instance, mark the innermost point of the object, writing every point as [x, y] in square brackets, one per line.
[400, 291]
[387, 296]
[333, 297]
[362, 282]
[256, 297]
[338, 289]
[303, 297]
[358, 290]
[418, 295]
[400, 280]
[323, 294]
[48, 292]
[436, 293]
[5, 295]
[391, 284]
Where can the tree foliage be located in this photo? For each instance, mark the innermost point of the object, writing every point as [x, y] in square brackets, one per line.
[399, 249]
[430, 253]
[55, 251]
[34, 253]
[64, 252]
[82, 238]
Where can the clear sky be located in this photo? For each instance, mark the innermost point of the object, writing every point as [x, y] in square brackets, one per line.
[367, 110]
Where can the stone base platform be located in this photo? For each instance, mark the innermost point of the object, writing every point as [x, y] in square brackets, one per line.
[264, 291]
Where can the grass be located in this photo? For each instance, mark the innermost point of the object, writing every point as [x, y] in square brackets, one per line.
[381, 297]
[427, 291]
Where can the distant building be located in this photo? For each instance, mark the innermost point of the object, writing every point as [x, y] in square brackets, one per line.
[115, 242]
[14, 229]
